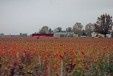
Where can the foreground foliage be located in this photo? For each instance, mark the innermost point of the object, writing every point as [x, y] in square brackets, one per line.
[56, 57]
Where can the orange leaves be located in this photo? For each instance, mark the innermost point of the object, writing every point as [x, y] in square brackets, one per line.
[80, 51]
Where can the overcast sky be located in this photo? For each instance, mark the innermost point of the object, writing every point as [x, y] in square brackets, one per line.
[27, 16]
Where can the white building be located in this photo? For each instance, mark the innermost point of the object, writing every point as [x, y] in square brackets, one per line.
[108, 35]
[63, 34]
[97, 35]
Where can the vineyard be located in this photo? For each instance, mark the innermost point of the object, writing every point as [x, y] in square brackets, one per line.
[56, 57]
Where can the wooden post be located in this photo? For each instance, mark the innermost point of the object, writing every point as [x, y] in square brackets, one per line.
[61, 74]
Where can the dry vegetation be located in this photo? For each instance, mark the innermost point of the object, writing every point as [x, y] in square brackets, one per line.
[56, 57]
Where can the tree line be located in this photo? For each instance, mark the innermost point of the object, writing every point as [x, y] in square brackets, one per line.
[103, 25]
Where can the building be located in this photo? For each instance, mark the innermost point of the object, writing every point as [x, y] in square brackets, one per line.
[63, 34]
[97, 35]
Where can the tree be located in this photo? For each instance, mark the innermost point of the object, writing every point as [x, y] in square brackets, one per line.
[58, 29]
[112, 26]
[77, 28]
[50, 31]
[45, 30]
[1, 34]
[103, 24]
[69, 29]
[23, 34]
[89, 28]
[111, 29]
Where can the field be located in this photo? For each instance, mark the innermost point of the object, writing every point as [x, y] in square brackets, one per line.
[56, 57]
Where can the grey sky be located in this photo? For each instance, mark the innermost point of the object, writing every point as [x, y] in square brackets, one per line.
[27, 16]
